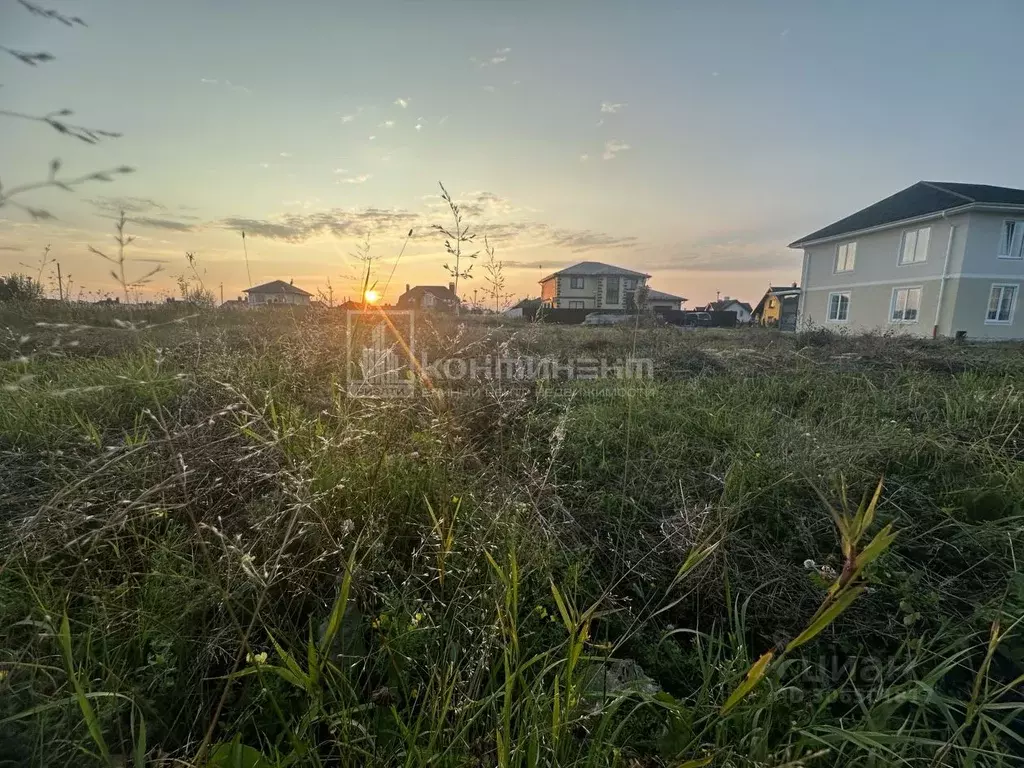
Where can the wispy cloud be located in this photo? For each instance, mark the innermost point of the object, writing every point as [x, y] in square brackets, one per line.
[355, 179]
[372, 138]
[347, 118]
[387, 124]
[403, 103]
[177, 226]
[489, 88]
[11, 248]
[285, 154]
[492, 215]
[599, 123]
[584, 157]
[613, 147]
[419, 124]
[225, 83]
[264, 165]
[609, 108]
[500, 56]
[784, 33]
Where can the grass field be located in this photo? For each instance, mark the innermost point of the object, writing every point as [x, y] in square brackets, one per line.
[211, 554]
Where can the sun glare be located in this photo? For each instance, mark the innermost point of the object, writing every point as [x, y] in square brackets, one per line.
[371, 296]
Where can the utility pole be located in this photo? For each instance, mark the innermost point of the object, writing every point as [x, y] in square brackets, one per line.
[60, 283]
[222, 293]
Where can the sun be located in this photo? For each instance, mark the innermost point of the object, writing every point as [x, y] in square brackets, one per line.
[371, 296]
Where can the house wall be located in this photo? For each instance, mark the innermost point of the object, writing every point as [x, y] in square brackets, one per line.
[971, 308]
[877, 272]
[557, 292]
[673, 305]
[259, 299]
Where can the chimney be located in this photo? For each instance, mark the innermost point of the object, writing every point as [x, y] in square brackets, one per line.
[451, 287]
[794, 285]
[406, 287]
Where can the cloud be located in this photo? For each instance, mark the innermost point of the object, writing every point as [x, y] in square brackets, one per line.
[784, 33]
[126, 204]
[340, 170]
[610, 109]
[264, 165]
[613, 147]
[285, 154]
[11, 248]
[297, 228]
[714, 74]
[372, 138]
[500, 56]
[177, 226]
[225, 83]
[584, 157]
[355, 179]
[419, 125]
[489, 88]
[443, 120]
[600, 122]
[403, 103]
[347, 118]
[487, 214]
[387, 124]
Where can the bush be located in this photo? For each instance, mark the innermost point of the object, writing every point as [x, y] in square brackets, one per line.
[20, 288]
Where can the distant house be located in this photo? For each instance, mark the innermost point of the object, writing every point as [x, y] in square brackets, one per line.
[778, 307]
[935, 259]
[437, 298]
[594, 285]
[742, 309]
[276, 292]
[660, 300]
[238, 303]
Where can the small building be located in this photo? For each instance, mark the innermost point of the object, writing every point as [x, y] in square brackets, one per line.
[778, 307]
[742, 309]
[238, 303]
[660, 300]
[277, 292]
[437, 298]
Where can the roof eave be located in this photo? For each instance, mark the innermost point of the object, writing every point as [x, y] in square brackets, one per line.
[804, 242]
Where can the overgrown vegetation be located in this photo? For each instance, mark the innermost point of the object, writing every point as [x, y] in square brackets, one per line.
[212, 555]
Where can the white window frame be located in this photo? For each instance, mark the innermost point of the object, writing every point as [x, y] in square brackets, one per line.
[917, 242]
[577, 304]
[574, 287]
[1013, 303]
[828, 307]
[892, 304]
[846, 256]
[1016, 249]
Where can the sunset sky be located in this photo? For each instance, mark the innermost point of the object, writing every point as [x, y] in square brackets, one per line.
[690, 140]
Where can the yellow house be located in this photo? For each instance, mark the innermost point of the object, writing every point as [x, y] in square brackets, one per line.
[778, 307]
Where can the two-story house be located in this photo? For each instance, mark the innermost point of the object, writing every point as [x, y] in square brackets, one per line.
[593, 285]
[935, 259]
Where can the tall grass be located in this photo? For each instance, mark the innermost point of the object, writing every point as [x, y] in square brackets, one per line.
[212, 555]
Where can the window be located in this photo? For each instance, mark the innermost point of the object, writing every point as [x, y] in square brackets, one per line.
[576, 305]
[915, 245]
[629, 284]
[838, 307]
[1011, 242]
[906, 305]
[846, 255]
[611, 290]
[1001, 303]
[575, 282]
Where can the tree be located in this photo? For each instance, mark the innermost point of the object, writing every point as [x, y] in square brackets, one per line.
[455, 238]
[19, 288]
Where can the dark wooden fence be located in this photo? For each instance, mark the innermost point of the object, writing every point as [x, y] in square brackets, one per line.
[672, 317]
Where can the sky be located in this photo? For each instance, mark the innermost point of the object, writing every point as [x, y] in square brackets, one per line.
[689, 140]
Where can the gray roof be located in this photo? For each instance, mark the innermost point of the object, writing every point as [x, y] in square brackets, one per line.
[653, 295]
[594, 269]
[920, 199]
[277, 286]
